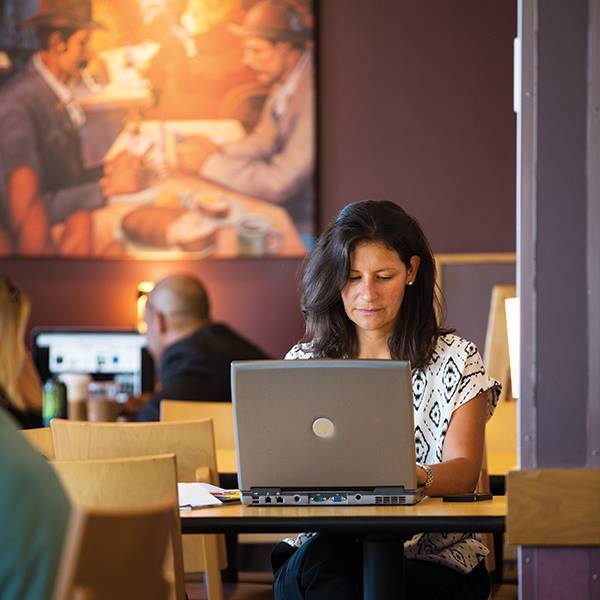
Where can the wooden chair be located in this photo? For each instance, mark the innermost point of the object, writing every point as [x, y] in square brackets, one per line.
[495, 354]
[222, 415]
[500, 436]
[41, 439]
[192, 443]
[130, 484]
[501, 431]
[116, 554]
[220, 412]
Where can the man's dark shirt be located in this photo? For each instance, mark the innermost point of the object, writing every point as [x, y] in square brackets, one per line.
[198, 367]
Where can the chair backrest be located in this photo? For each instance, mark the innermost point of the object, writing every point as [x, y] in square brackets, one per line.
[192, 443]
[41, 439]
[497, 364]
[220, 412]
[125, 484]
[115, 553]
[501, 431]
[495, 354]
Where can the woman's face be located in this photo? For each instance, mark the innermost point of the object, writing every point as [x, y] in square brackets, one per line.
[375, 288]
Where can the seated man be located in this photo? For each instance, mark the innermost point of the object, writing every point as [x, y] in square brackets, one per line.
[43, 179]
[193, 353]
[275, 162]
[35, 511]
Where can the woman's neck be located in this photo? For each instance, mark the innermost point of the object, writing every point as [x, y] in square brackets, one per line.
[373, 345]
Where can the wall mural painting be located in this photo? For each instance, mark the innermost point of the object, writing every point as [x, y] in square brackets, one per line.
[157, 128]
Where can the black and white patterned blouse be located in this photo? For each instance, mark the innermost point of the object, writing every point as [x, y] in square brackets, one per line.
[454, 376]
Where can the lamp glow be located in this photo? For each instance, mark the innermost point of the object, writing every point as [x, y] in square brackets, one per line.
[143, 289]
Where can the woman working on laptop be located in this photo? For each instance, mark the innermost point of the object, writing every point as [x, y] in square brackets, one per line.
[369, 292]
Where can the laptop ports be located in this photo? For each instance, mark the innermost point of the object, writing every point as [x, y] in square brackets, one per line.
[279, 499]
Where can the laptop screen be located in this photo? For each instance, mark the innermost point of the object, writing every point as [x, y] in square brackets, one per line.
[105, 354]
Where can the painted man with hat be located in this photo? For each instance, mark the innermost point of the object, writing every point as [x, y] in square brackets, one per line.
[42, 177]
[276, 160]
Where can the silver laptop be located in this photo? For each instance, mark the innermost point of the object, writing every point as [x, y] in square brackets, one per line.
[319, 432]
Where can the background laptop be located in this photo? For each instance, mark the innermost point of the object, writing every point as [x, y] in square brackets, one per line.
[105, 354]
[324, 432]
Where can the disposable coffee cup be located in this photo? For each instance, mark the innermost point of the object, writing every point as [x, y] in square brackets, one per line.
[102, 402]
[256, 237]
[77, 394]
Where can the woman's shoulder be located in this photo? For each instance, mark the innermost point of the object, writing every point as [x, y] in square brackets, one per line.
[452, 346]
[300, 351]
[452, 343]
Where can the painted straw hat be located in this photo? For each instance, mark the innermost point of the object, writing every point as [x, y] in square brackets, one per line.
[274, 20]
[72, 14]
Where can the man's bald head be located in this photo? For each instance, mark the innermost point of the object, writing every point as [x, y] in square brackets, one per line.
[177, 306]
[182, 299]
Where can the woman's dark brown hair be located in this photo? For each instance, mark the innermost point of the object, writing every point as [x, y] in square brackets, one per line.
[328, 328]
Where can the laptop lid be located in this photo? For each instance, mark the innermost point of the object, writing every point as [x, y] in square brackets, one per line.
[324, 424]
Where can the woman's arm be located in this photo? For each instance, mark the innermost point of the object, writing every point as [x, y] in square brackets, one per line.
[462, 451]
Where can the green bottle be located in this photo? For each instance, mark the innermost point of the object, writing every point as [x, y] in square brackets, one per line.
[54, 403]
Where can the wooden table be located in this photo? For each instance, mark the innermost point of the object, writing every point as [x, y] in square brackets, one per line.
[384, 529]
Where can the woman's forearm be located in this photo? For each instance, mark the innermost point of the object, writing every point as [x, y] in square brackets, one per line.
[454, 476]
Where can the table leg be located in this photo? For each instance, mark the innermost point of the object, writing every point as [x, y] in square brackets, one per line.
[383, 568]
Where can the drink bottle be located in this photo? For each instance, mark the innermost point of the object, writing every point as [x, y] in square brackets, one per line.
[54, 401]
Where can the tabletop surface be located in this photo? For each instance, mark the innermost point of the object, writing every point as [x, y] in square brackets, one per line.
[432, 514]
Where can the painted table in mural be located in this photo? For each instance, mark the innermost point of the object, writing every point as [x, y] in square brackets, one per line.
[181, 216]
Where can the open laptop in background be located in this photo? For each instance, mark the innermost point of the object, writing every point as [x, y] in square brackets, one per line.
[105, 354]
[319, 432]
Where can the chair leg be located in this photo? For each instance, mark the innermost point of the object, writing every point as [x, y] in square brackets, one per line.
[214, 585]
[177, 557]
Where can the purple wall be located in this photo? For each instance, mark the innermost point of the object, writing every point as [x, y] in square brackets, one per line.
[415, 106]
[416, 103]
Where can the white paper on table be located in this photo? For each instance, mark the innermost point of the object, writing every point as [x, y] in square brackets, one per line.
[197, 495]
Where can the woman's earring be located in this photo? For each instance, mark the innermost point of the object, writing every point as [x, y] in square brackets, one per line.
[410, 282]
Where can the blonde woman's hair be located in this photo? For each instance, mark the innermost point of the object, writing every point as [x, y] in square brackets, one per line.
[14, 312]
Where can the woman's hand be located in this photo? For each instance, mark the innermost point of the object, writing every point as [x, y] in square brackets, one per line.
[462, 452]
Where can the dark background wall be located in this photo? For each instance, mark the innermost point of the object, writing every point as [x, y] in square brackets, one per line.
[415, 105]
